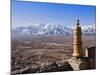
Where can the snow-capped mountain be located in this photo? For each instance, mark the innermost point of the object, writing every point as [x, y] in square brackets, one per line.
[26, 30]
[56, 29]
[89, 30]
[51, 29]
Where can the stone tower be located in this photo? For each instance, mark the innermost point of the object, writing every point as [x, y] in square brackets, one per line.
[77, 41]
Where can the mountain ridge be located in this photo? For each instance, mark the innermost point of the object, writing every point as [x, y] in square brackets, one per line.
[51, 29]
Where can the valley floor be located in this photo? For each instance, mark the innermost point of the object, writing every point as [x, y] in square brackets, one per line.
[37, 51]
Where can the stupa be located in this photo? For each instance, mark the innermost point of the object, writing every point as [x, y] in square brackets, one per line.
[77, 41]
[78, 61]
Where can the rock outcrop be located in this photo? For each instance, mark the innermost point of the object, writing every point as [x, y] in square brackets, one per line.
[45, 67]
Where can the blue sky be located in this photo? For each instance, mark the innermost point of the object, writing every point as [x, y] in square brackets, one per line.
[25, 13]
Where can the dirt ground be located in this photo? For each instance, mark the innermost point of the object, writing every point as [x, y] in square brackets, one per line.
[35, 51]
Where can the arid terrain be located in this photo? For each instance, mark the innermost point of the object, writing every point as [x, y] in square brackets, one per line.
[39, 50]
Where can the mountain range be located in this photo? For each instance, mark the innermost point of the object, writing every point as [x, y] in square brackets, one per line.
[51, 29]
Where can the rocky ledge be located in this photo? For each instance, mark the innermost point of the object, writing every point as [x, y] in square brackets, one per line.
[45, 67]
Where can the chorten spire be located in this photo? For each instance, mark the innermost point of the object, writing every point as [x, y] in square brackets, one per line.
[78, 23]
[77, 41]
